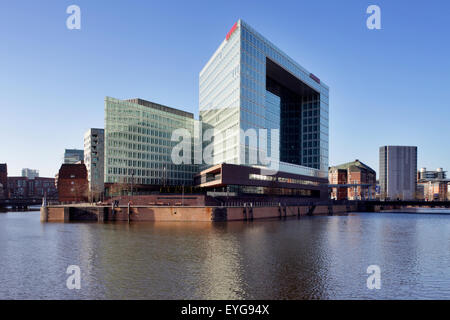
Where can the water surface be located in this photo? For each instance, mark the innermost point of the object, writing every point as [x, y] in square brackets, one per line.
[311, 258]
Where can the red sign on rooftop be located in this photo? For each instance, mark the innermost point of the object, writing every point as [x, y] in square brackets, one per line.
[233, 28]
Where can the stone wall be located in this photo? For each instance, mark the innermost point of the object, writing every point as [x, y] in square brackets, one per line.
[160, 214]
[175, 213]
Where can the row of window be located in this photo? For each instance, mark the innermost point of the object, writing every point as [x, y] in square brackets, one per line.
[261, 177]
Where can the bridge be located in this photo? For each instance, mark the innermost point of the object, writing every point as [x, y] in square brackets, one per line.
[401, 203]
[22, 203]
[370, 205]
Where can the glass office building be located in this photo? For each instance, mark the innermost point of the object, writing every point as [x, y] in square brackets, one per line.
[73, 156]
[138, 144]
[251, 84]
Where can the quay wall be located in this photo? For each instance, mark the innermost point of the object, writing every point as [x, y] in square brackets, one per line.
[159, 214]
[178, 213]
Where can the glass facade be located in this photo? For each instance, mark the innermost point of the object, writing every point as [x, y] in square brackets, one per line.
[219, 99]
[272, 117]
[251, 84]
[138, 143]
[271, 191]
[73, 156]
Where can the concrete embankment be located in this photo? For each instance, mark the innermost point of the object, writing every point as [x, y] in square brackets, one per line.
[184, 213]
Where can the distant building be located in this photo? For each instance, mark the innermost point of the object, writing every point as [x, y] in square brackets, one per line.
[72, 183]
[352, 173]
[94, 158]
[432, 185]
[23, 187]
[338, 176]
[73, 156]
[138, 146]
[42, 186]
[18, 187]
[448, 191]
[4, 179]
[424, 174]
[433, 190]
[398, 172]
[30, 173]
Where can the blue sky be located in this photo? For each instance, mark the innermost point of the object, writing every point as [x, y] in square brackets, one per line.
[387, 87]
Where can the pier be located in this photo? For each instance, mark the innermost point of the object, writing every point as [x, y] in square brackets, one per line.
[201, 209]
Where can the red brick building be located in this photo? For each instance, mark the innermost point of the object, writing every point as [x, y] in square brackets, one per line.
[41, 186]
[72, 183]
[3, 180]
[17, 187]
[352, 173]
[22, 187]
[338, 176]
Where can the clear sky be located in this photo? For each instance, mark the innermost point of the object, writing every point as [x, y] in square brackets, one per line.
[387, 87]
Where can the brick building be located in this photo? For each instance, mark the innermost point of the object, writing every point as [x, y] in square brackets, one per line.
[3, 180]
[338, 176]
[72, 183]
[352, 173]
[41, 186]
[433, 190]
[17, 187]
[23, 187]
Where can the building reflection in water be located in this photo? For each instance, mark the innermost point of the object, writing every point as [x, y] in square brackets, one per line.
[310, 258]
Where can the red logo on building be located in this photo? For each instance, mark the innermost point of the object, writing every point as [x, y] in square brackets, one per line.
[314, 78]
[233, 28]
